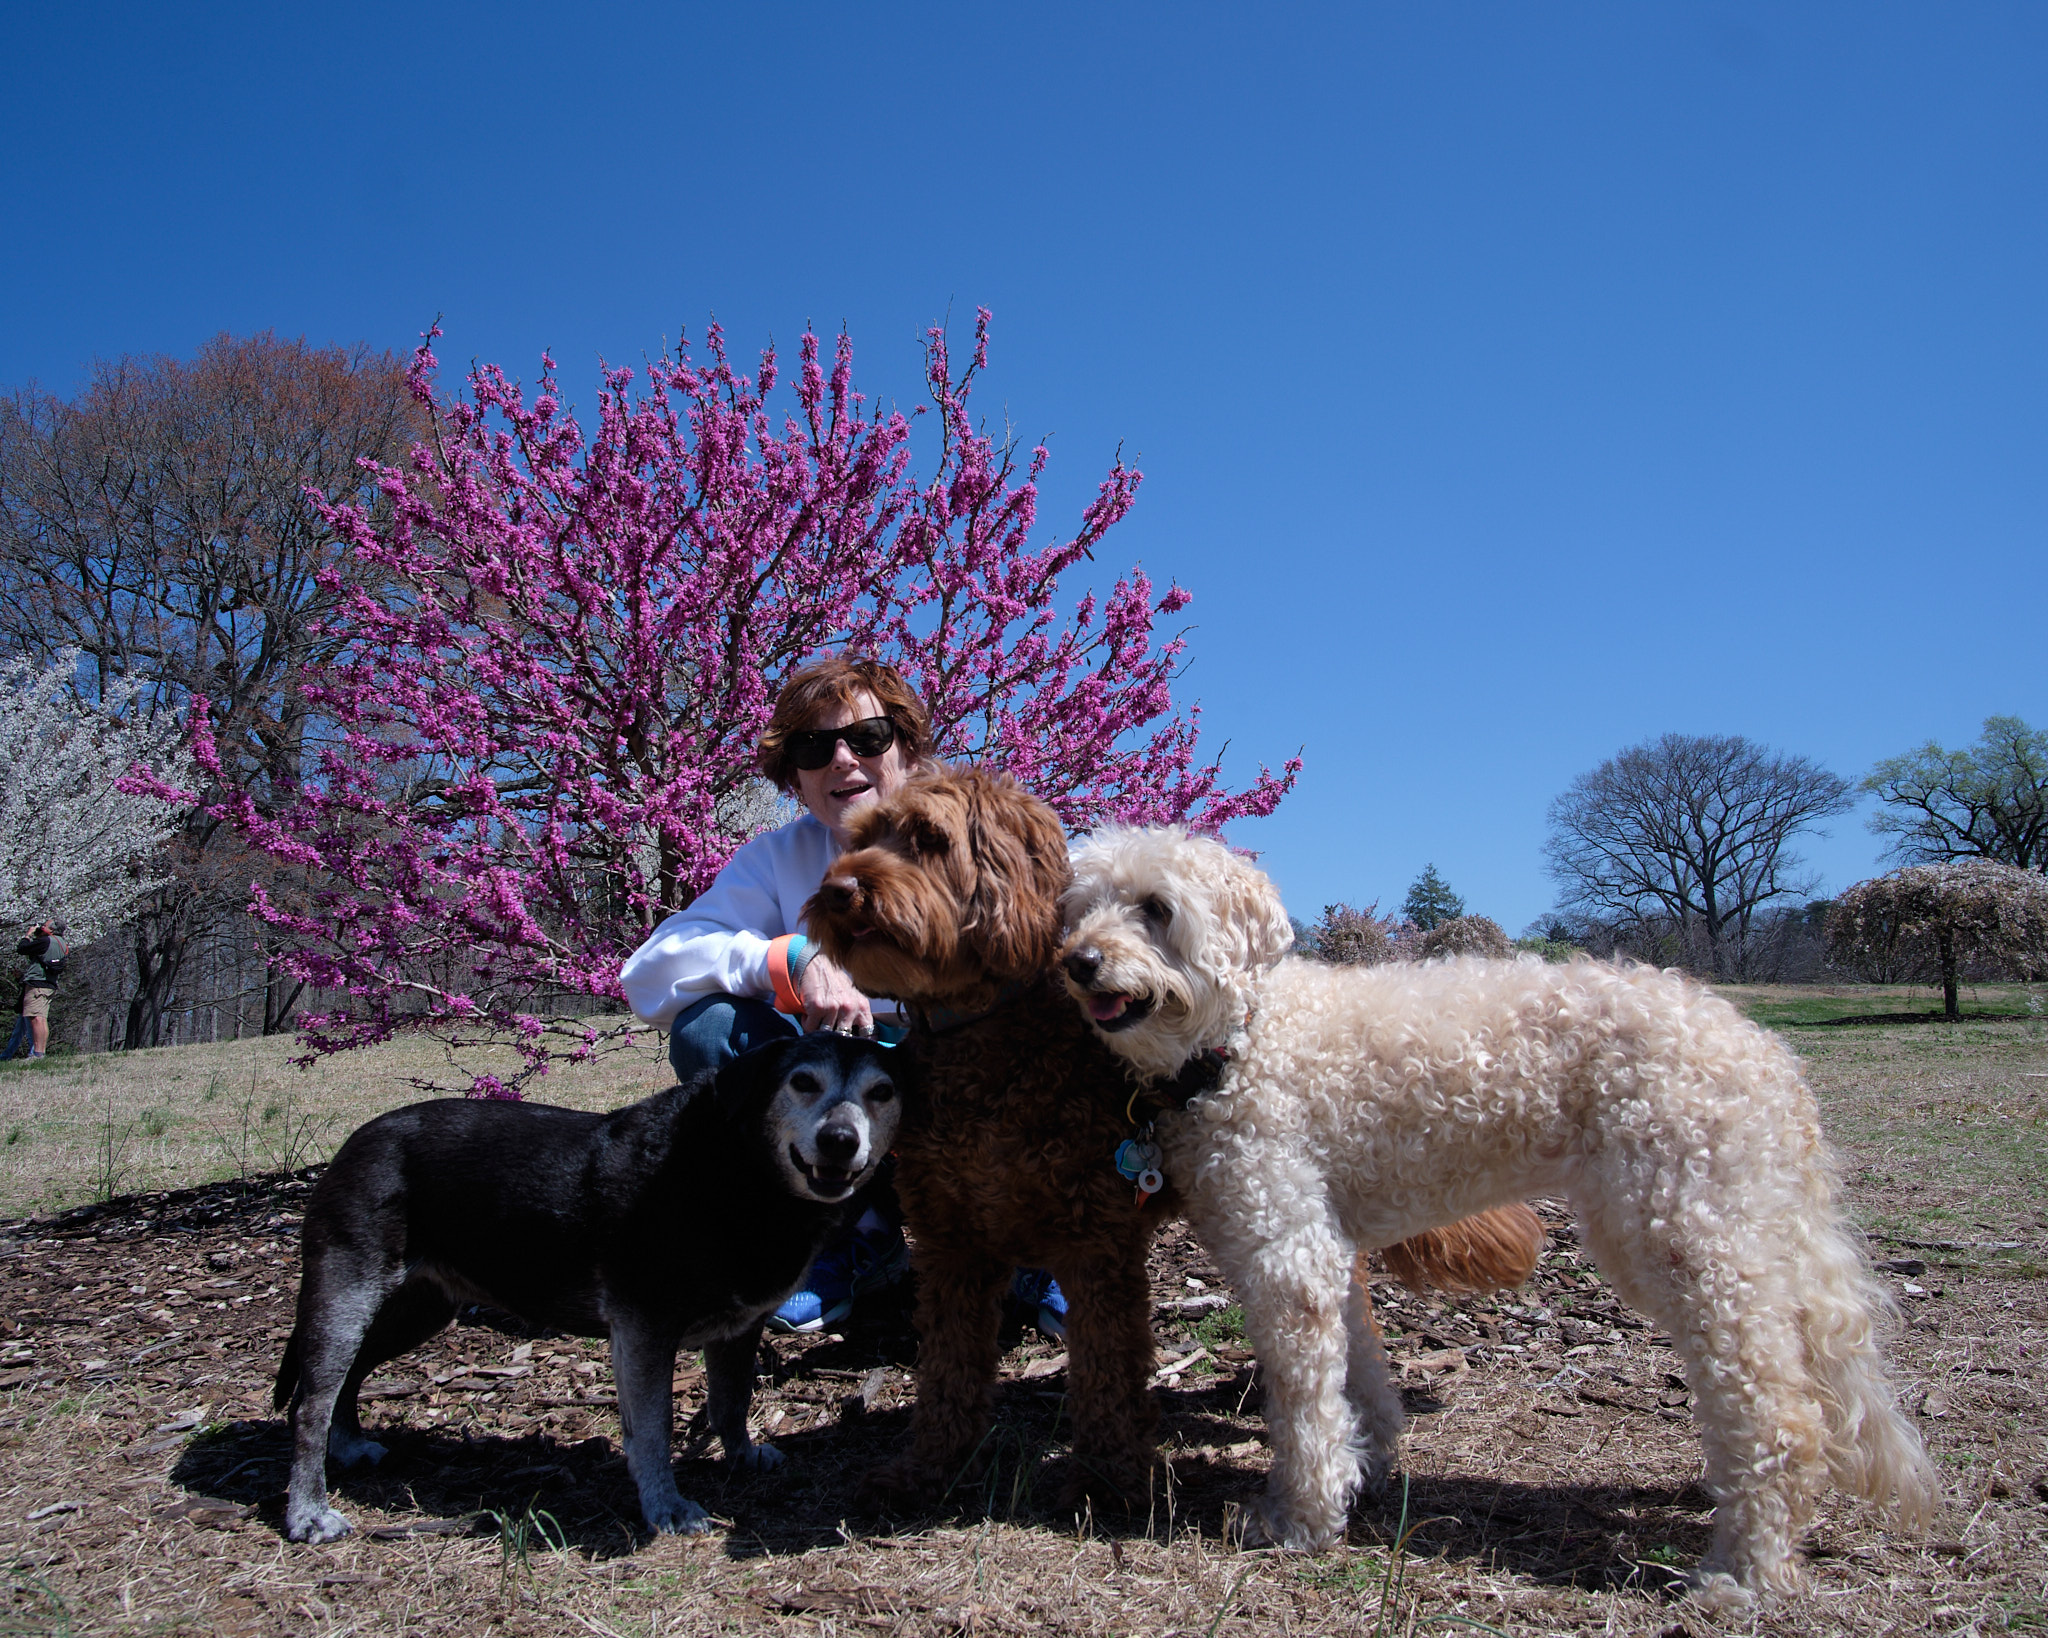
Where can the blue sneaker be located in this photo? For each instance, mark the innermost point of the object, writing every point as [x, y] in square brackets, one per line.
[1037, 1290]
[857, 1262]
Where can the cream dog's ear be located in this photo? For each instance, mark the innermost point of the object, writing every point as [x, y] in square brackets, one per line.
[1252, 910]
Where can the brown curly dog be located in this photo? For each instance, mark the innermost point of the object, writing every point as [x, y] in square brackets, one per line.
[949, 901]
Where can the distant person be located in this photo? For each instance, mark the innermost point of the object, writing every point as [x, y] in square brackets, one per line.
[47, 952]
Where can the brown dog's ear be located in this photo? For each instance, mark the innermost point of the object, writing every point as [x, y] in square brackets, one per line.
[1019, 858]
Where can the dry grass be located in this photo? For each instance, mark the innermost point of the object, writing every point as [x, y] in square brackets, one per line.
[1552, 1462]
[80, 1127]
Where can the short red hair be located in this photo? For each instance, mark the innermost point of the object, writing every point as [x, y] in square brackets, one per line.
[814, 689]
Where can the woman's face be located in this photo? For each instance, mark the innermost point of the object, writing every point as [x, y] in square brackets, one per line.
[834, 792]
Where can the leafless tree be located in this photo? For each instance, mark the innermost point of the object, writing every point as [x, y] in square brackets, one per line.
[1691, 830]
[157, 522]
[1987, 802]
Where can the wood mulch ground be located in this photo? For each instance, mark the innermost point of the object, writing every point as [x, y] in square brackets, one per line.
[1551, 1459]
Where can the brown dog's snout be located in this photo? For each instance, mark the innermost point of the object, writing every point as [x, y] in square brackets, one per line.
[837, 892]
[1083, 964]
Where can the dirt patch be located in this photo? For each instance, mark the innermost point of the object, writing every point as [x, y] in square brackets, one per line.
[1552, 1468]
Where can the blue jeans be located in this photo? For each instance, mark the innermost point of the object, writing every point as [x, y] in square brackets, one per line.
[718, 1029]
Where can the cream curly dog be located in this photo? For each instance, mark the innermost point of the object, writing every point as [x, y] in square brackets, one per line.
[1359, 1106]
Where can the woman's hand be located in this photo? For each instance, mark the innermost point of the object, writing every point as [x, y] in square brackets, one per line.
[831, 1001]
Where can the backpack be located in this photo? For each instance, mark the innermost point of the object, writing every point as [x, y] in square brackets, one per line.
[53, 959]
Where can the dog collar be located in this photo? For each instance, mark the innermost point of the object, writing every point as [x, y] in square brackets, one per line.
[945, 1020]
[1201, 1073]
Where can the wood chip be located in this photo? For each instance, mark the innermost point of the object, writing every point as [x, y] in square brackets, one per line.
[426, 1527]
[206, 1511]
[1444, 1360]
[828, 1600]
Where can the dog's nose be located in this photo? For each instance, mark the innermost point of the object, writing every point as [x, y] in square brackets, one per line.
[837, 1145]
[1083, 964]
[838, 891]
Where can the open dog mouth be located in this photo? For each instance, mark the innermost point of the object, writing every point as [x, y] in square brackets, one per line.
[828, 1182]
[1113, 1012]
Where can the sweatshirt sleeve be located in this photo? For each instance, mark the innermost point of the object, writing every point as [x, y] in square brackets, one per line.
[720, 943]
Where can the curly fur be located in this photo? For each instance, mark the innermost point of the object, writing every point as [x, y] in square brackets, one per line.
[949, 901]
[1364, 1105]
[951, 893]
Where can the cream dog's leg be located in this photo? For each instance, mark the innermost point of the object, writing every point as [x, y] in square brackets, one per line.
[1292, 1270]
[1368, 1384]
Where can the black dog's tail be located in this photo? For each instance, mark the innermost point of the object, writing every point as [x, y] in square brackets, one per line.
[287, 1374]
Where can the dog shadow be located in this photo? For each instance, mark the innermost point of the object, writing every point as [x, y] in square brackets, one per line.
[1593, 1537]
[533, 1491]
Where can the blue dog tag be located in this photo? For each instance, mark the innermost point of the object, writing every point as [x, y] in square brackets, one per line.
[1135, 1158]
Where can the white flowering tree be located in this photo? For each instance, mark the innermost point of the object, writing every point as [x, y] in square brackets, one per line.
[72, 841]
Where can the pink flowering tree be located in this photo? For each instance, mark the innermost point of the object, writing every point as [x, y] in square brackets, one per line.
[562, 643]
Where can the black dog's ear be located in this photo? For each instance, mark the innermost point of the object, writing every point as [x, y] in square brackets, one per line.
[900, 1066]
[742, 1084]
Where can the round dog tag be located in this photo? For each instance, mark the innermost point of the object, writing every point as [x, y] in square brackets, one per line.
[1150, 1181]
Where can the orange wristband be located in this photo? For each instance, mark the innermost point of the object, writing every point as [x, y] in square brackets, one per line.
[787, 997]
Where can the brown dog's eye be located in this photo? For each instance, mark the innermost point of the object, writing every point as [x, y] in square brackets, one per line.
[926, 837]
[881, 1092]
[805, 1082]
[1156, 911]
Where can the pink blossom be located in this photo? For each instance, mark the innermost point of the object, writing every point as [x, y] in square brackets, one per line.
[560, 643]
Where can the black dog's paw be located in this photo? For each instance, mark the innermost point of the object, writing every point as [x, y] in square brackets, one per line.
[676, 1516]
[315, 1524]
[763, 1458]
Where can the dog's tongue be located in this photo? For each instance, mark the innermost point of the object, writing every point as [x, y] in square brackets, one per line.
[1105, 1007]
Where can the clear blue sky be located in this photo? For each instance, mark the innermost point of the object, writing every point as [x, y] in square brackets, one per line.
[1511, 382]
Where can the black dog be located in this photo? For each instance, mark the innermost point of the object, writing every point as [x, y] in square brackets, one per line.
[681, 1220]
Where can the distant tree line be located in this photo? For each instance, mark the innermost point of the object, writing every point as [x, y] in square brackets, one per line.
[1677, 851]
[156, 525]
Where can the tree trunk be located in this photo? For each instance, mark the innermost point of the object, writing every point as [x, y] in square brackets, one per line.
[156, 971]
[280, 995]
[1949, 1009]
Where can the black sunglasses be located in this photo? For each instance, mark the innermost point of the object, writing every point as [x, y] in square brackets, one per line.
[811, 748]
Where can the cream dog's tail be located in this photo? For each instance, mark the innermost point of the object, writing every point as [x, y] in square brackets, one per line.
[1873, 1450]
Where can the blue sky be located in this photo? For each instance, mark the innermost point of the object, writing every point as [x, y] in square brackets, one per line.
[1512, 383]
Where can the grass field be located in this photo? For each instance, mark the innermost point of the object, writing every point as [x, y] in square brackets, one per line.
[1551, 1461]
[1777, 1006]
[75, 1128]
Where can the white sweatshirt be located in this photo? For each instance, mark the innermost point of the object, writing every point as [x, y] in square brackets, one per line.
[720, 944]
